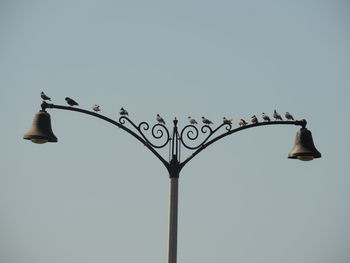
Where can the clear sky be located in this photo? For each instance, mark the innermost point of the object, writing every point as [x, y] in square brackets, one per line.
[98, 195]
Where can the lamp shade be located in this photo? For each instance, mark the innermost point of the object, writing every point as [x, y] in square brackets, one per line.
[41, 131]
[304, 148]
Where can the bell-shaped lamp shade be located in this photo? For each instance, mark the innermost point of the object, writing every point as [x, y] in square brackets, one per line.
[41, 131]
[304, 148]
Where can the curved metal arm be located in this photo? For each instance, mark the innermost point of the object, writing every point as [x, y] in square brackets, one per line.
[142, 139]
[206, 143]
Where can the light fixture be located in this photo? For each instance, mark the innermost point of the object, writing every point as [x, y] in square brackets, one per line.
[41, 131]
[304, 148]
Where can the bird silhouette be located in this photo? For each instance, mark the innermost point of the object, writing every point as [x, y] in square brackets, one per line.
[192, 121]
[44, 97]
[123, 111]
[254, 119]
[206, 121]
[71, 102]
[160, 119]
[242, 122]
[226, 121]
[96, 108]
[289, 116]
[265, 117]
[276, 115]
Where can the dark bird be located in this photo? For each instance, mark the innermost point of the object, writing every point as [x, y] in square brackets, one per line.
[226, 121]
[191, 120]
[160, 119]
[71, 102]
[96, 108]
[276, 115]
[44, 97]
[265, 117]
[289, 116]
[123, 111]
[254, 119]
[206, 121]
[242, 122]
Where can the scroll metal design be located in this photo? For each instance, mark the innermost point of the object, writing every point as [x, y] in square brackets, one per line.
[159, 132]
[190, 133]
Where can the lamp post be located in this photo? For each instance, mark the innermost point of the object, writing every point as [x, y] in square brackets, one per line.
[303, 149]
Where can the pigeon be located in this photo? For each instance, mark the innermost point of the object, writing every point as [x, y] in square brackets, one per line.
[71, 102]
[160, 119]
[254, 119]
[226, 121]
[289, 116]
[123, 111]
[206, 121]
[242, 122]
[265, 117]
[192, 121]
[276, 115]
[44, 97]
[96, 108]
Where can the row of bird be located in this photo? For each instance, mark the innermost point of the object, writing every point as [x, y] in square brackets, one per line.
[241, 122]
[70, 101]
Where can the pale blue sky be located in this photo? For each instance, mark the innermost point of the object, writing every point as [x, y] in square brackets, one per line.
[98, 195]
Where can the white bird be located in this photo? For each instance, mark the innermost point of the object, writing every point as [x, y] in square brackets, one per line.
[242, 122]
[71, 102]
[206, 121]
[123, 111]
[192, 121]
[254, 119]
[96, 108]
[44, 97]
[276, 115]
[289, 116]
[265, 117]
[226, 121]
[160, 119]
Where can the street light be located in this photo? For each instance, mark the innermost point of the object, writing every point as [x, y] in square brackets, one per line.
[303, 149]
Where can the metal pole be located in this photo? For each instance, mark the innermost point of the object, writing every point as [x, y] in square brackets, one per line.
[173, 215]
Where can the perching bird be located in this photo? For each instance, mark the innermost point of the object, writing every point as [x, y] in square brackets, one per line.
[96, 108]
[226, 121]
[206, 121]
[71, 102]
[192, 121]
[265, 117]
[44, 97]
[276, 115]
[160, 119]
[242, 122]
[289, 116]
[123, 111]
[254, 119]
